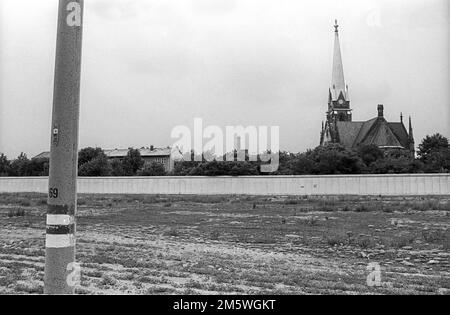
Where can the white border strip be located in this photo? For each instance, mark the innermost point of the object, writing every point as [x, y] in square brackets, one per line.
[60, 219]
[59, 241]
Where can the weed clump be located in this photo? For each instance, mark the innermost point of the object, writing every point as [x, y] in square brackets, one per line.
[19, 212]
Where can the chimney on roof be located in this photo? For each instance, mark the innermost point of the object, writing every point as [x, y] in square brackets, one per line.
[152, 148]
[401, 117]
[380, 111]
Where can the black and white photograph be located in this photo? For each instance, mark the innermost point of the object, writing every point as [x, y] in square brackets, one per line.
[224, 155]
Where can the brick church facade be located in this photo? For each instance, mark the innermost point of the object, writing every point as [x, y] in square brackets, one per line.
[339, 126]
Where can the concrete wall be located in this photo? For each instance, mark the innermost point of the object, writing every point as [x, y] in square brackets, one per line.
[418, 184]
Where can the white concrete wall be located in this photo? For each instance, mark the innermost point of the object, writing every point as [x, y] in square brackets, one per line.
[417, 184]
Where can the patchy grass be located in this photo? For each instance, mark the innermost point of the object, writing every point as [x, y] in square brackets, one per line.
[402, 241]
[108, 280]
[19, 212]
[29, 288]
[235, 244]
[173, 232]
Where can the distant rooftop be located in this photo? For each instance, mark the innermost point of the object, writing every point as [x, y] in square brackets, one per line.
[43, 155]
[145, 152]
[120, 153]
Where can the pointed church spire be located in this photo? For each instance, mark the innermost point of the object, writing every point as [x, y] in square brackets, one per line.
[410, 128]
[412, 145]
[337, 81]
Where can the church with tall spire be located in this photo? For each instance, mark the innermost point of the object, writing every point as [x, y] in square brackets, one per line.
[339, 126]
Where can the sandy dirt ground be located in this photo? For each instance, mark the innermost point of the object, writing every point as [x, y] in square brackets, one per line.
[236, 245]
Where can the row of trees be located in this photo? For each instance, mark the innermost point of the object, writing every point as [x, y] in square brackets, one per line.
[433, 156]
[94, 162]
[22, 166]
[91, 162]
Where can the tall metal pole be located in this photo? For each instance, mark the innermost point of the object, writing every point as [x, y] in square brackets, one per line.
[62, 197]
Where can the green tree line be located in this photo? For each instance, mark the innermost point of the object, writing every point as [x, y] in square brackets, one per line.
[433, 156]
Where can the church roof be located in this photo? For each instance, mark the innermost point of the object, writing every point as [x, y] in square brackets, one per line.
[366, 127]
[381, 135]
[348, 132]
[400, 132]
[376, 131]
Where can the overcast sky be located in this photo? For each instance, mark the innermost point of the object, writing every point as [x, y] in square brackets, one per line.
[149, 65]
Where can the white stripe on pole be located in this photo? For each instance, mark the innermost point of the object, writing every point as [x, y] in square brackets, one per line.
[62, 219]
[59, 241]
